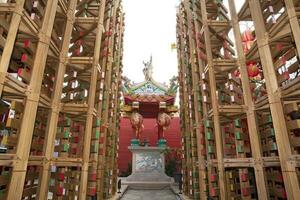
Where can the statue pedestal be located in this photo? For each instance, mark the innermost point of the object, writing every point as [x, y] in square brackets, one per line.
[148, 168]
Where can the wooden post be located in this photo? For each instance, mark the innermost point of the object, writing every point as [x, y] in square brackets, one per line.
[251, 119]
[23, 147]
[281, 133]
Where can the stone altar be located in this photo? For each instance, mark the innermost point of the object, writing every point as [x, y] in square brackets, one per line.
[148, 168]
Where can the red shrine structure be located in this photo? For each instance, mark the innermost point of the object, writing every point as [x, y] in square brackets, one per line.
[149, 114]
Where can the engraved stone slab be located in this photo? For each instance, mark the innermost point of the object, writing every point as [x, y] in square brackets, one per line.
[148, 168]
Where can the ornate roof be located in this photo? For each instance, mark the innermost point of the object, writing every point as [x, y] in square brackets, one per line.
[149, 94]
[149, 88]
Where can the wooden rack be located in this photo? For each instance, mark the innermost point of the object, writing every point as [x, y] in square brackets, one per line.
[242, 93]
[61, 66]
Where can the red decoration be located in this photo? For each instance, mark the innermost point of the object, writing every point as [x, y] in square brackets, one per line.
[108, 33]
[245, 192]
[213, 177]
[244, 177]
[59, 191]
[105, 43]
[26, 43]
[283, 60]
[92, 191]
[286, 75]
[279, 46]
[93, 177]
[24, 57]
[213, 192]
[76, 139]
[61, 177]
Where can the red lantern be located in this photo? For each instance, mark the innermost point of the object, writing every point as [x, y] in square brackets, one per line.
[252, 69]
[247, 36]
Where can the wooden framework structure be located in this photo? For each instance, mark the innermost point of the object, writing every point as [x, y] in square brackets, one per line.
[60, 81]
[240, 132]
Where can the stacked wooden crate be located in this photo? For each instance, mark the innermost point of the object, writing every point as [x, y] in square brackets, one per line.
[52, 87]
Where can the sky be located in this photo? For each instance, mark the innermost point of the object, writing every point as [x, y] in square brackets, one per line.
[150, 29]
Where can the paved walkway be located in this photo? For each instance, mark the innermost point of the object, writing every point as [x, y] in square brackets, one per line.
[149, 195]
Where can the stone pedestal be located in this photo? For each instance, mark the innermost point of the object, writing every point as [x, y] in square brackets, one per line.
[148, 168]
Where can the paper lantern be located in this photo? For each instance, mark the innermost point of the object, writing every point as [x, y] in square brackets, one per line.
[247, 36]
[253, 70]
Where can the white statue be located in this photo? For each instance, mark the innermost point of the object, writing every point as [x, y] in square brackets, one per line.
[148, 69]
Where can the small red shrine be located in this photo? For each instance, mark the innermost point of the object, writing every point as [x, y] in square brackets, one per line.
[149, 114]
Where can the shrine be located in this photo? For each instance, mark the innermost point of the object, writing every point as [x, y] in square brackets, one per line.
[149, 99]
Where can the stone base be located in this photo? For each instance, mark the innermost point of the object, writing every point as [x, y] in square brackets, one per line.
[148, 166]
[155, 180]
